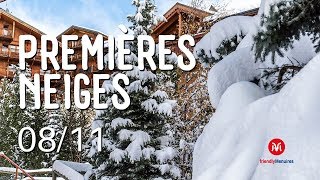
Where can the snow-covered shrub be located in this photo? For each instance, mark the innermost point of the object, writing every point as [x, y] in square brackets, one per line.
[254, 59]
[238, 134]
[280, 51]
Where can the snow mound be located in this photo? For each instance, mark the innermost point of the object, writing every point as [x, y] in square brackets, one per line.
[237, 137]
[226, 29]
[72, 170]
[234, 68]
[241, 64]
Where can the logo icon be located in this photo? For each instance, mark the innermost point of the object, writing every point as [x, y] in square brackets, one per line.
[276, 146]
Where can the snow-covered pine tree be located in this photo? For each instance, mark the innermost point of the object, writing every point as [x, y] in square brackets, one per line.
[226, 47]
[74, 118]
[136, 141]
[284, 23]
[274, 48]
[13, 119]
[54, 121]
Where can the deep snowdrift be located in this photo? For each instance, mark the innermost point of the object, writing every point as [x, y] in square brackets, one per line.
[233, 68]
[240, 65]
[237, 137]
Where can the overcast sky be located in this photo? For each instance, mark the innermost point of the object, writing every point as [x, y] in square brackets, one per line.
[54, 16]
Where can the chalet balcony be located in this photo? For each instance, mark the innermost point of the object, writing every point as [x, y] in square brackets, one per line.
[6, 35]
[75, 58]
[37, 58]
[14, 55]
[4, 54]
[75, 44]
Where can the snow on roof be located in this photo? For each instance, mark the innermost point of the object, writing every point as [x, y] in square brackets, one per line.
[8, 14]
[71, 170]
[83, 29]
[217, 16]
[42, 178]
[89, 29]
[10, 170]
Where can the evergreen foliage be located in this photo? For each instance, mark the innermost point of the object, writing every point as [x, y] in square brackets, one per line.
[13, 119]
[286, 22]
[137, 141]
[283, 24]
[226, 47]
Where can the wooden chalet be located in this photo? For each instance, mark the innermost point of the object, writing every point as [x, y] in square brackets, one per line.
[77, 47]
[11, 28]
[178, 25]
[190, 83]
[176, 17]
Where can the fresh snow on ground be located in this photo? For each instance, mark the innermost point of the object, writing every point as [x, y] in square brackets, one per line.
[238, 134]
[73, 170]
[234, 68]
[248, 117]
[13, 170]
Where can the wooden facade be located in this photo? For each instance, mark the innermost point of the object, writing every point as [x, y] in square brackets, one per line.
[178, 26]
[175, 20]
[193, 82]
[77, 57]
[10, 29]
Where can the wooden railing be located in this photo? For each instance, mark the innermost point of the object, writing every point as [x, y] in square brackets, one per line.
[6, 33]
[15, 55]
[4, 53]
[75, 44]
[17, 167]
[75, 57]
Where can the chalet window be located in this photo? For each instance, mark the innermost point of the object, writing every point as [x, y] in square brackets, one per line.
[38, 52]
[5, 29]
[5, 48]
[13, 48]
[89, 69]
[73, 43]
[78, 43]
[42, 72]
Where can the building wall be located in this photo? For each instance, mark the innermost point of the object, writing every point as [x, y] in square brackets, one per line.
[9, 47]
[77, 58]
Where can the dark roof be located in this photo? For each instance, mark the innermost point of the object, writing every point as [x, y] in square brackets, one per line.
[184, 8]
[95, 32]
[177, 5]
[8, 14]
[251, 11]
